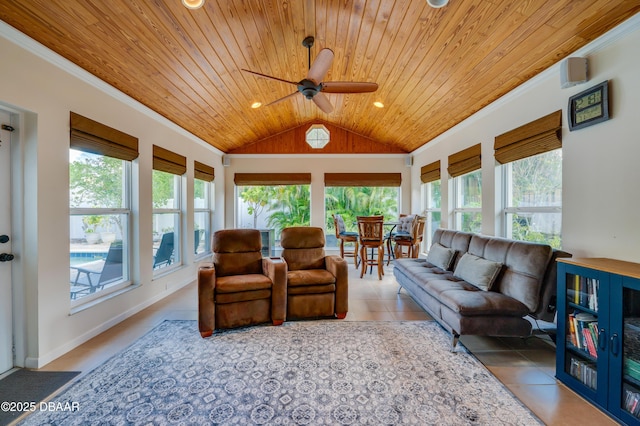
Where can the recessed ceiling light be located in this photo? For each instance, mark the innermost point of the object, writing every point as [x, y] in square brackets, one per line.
[256, 105]
[436, 4]
[193, 4]
[378, 104]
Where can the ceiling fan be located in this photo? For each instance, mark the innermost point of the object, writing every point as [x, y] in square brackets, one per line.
[312, 86]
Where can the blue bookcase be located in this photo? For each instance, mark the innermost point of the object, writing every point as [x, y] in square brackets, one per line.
[598, 341]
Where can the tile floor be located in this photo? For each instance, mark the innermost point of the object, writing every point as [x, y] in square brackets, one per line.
[526, 367]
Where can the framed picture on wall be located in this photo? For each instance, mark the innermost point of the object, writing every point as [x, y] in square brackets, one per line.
[589, 107]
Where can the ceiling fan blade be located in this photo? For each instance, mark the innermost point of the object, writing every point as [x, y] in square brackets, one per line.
[323, 103]
[268, 76]
[348, 87]
[320, 66]
[282, 99]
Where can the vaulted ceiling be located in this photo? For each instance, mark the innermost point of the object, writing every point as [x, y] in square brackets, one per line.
[434, 67]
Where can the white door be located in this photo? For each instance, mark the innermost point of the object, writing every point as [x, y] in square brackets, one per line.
[6, 321]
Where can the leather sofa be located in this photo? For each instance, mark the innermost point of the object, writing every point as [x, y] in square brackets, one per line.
[317, 284]
[240, 287]
[480, 285]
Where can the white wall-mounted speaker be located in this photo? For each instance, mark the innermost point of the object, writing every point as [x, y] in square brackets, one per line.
[408, 161]
[573, 71]
[226, 161]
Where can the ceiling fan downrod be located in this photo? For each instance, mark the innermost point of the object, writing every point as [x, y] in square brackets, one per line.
[308, 43]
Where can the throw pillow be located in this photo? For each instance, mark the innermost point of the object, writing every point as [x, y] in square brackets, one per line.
[441, 256]
[477, 271]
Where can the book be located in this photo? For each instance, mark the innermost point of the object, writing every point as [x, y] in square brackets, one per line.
[591, 347]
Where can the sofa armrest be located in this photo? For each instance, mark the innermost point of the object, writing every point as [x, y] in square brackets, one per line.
[340, 269]
[276, 270]
[546, 309]
[206, 305]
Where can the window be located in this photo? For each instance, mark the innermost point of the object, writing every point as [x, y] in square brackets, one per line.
[202, 207]
[167, 208]
[533, 198]
[531, 158]
[433, 212]
[464, 168]
[467, 212]
[166, 219]
[431, 196]
[100, 209]
[359, 194]
[202, 216]
[271, 202]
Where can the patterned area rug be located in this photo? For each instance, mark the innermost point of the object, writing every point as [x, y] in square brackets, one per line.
[301, 373]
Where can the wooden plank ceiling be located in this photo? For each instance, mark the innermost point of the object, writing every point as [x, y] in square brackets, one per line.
[434, 67]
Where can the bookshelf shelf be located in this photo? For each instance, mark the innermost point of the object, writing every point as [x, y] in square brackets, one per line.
[598, 344]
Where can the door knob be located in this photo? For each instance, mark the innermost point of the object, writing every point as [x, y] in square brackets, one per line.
[4, 239]
[6, 257]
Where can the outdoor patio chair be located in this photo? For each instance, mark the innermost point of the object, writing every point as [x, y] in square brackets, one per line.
[93, 276]
[164, 254]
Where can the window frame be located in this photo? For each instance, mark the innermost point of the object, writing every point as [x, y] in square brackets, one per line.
[127, 246]
[178, 181]
[458, 211]
[427, 190]
[208, 211]
[507, 200]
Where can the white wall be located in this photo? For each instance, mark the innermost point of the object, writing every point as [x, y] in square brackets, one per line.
[44, 94]
[601, 199]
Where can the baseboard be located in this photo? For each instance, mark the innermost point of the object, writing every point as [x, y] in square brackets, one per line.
[39, 362]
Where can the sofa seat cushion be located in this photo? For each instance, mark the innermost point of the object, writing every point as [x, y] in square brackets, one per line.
[240, 283]
[308, 277]
[471, 303]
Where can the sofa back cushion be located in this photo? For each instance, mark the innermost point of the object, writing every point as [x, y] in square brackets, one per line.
[524, 263]
[303, 247]
[237, 252]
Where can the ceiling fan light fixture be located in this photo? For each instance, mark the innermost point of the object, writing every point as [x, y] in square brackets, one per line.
[317, 136]
[378, 104]
[436, 4]
[256, 105]
[193, 4]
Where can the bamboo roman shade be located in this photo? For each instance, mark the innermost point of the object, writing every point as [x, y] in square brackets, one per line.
[203, 172]
[537, 137]
[430, 172]
[91, 136]
[168, 161]
[362, 179]
[259, 179]
[465, 161]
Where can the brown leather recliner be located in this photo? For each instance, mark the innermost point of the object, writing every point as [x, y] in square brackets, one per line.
[317, 284]
[240, 287]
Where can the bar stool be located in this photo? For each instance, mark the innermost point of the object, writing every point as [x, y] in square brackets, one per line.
[345, 236]
[411, 241]
[371, 231]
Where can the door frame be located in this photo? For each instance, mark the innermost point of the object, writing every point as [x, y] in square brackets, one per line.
[17, 159]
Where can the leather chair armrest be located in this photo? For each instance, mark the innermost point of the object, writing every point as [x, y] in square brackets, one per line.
[206, 305]
[340, 269]
[276, 270]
